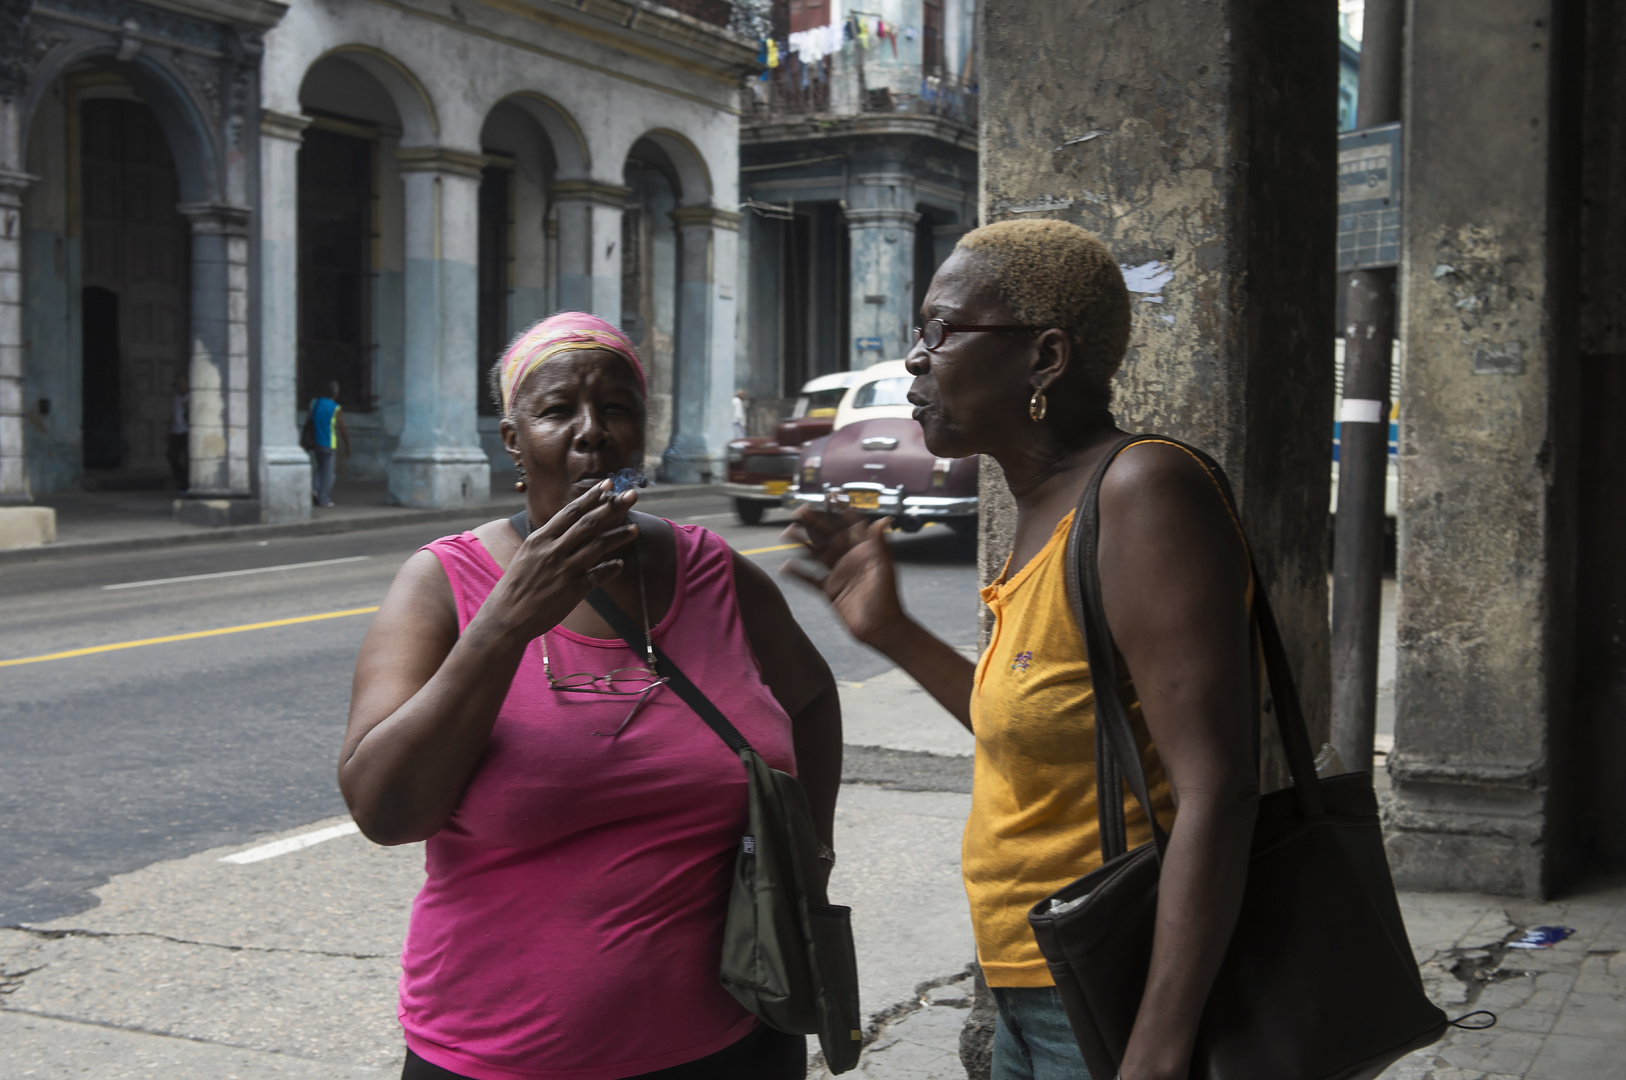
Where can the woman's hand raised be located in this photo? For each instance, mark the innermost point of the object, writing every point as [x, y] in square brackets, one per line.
[561, 562]
[849, 562]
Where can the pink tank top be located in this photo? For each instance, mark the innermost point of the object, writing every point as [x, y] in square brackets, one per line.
[571, 925]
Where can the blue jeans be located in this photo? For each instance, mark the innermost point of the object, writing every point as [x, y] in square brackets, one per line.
[1032, 1039]
[322, 475]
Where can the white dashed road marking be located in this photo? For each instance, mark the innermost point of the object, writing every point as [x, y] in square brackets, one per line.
[234, 573]
[292, 843]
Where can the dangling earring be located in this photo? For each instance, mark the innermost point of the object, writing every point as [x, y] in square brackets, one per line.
[519, 485]
[1037, 404]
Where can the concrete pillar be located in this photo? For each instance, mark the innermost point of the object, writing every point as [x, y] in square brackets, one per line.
[439, 461]
[1196, 140]
[285, 469]
[589, 223]
[13, 456]
[1487, 425]
[220, 488]
[883, 272]
[708, 258]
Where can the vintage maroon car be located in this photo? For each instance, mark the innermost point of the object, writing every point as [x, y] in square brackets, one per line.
[761, 470]
[876, 462]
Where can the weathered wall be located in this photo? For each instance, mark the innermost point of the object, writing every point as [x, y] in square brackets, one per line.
[1195, 137]
[1486, 453]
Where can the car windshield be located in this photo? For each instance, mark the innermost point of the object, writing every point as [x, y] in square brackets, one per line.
[819, 404]
[883, 392]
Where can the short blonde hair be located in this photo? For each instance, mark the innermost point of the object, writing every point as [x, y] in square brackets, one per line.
[1054, 274]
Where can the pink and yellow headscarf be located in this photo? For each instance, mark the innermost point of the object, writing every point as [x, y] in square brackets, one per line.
[567, 331]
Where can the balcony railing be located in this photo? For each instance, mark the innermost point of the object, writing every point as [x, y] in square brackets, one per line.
[790, 92]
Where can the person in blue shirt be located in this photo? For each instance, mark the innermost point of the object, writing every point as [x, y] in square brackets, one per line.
[327, 418]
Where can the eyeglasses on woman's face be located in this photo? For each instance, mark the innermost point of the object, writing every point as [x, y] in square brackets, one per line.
[936, 331]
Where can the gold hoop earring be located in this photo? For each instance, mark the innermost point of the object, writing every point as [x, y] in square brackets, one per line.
[519, 485]
[1037, 404]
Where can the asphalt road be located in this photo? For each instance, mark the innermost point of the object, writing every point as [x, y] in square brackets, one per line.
[117, 759]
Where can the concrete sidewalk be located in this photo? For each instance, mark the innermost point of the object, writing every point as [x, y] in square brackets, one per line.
[199, 969]
[108, 522]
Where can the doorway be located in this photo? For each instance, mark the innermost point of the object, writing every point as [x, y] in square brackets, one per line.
[336, 199]
[133, 297]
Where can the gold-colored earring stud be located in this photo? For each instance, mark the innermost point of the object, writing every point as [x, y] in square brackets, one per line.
[519, 485]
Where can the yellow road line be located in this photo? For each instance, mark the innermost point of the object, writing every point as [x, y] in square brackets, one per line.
[187, 636]
[776, 547]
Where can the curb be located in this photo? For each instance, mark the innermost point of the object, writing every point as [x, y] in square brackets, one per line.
[314, 527]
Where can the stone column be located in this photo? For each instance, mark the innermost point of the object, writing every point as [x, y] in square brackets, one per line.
[1487, 424]
[1195, 139]
[708, 258]
[883, 280]
[285, 469]
[220, 489]
[439, 461]
[13, 457]
[589, 217]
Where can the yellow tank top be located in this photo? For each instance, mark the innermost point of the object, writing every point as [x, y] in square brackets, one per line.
[1033, 824]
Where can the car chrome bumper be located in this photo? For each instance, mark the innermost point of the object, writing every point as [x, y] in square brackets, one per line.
[892, 502]
[754, 491]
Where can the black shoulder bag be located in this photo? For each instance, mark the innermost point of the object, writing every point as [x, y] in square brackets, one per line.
[788, 960]
[1319, 981]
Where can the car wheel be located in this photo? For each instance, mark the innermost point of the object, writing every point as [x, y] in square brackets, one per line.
[749, 511]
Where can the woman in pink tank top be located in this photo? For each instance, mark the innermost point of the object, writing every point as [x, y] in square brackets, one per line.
[580, 838]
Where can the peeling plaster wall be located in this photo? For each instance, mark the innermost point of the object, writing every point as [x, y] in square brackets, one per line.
[1195, 138]
[1486, 450]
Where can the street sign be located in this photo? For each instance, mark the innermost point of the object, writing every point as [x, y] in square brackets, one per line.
[1369, 198]
[868, 343]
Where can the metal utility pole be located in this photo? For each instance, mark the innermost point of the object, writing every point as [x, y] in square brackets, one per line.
[1363, 455]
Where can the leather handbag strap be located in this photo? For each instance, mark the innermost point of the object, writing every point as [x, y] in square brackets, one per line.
[691, 694]
[1116, 752]
[1116, 755]
[628, 631]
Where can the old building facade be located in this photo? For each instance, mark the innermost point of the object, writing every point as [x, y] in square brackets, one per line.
[859, 172]
[267, 197]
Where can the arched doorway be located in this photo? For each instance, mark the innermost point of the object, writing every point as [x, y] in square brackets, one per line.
[350, 258]
[133, 290]
[106, 262]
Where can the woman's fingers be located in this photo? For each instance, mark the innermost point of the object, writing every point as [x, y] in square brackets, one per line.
[604, 571]
[568, 515]
[811, 571]
[610, 514]
[594, 550]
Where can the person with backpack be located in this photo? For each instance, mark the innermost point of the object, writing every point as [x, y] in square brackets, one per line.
[325, 431]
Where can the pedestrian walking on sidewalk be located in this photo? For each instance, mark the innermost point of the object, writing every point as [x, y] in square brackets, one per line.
[180, 428]
[1021, 332]
[582, 822]
[327, 423]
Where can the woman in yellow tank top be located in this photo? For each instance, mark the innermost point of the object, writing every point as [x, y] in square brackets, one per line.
[1021, 332]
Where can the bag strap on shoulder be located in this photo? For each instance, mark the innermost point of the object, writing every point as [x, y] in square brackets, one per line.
[628, 631]
[691, 694]
[1117, 756]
